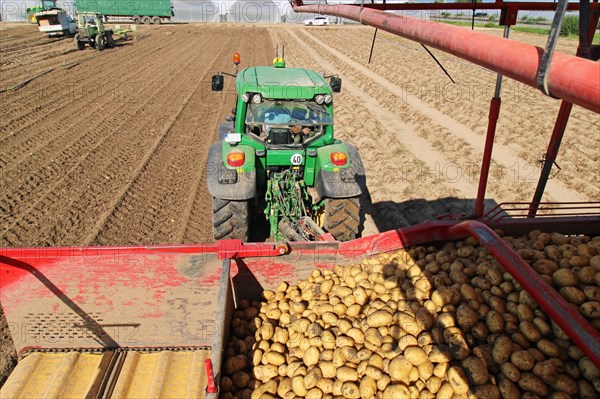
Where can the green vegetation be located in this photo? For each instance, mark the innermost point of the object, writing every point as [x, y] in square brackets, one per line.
[570, 25]
[526, 29]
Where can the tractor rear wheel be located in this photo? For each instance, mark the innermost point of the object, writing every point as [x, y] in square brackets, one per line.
[100, 42]
[230, 219]
[342, 217]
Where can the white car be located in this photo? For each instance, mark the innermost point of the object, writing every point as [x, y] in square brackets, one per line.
[317, 21]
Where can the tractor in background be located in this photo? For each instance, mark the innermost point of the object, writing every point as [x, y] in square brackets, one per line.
[90, 29]
[277, 158]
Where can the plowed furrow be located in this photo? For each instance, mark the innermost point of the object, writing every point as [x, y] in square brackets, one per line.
[196, 210]
[42, 141]
[111, 161]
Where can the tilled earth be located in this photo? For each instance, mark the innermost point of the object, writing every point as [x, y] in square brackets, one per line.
[110, 148]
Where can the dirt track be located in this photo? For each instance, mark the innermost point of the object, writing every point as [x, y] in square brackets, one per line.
[112, 150]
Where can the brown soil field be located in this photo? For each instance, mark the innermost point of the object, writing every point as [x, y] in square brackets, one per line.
[110, 147]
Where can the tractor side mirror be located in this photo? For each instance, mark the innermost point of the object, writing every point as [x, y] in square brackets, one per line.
[336, 84]
[217, 82]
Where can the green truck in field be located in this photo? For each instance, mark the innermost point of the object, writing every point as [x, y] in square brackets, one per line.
[277, 159]
[137, 11]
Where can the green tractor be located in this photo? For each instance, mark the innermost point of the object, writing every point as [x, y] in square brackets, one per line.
[277, 159]
[90, 29]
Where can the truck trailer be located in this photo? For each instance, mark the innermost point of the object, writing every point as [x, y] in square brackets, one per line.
[137, 11]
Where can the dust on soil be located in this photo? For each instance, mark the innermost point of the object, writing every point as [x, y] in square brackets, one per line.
[110, 148]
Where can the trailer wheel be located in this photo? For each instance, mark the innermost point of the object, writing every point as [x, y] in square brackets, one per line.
[137, 20]
[146, 20]
[230, 219]
[78, 43]
[156, 21]
[100, 42]
[342, 217]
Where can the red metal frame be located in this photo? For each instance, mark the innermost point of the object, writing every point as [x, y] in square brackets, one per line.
[487, 155]
[196, 266]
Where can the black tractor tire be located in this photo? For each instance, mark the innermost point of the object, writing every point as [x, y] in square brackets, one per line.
[310, 24]
[156, 21]
[342, 218]
[230, 219]
[147, 20]
[78, 43]
[100, 42]
[137, 20]
[110, 40]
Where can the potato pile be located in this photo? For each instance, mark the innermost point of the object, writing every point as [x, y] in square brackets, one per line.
[427, 322]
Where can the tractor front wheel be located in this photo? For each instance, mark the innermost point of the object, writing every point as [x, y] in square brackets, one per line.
[100, 42]
[230, 219]
[78, 43]
[342, 218]
[110, 41]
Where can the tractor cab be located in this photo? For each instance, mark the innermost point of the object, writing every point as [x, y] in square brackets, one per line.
[287, 123]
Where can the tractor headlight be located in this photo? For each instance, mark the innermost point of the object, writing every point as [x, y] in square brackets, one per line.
[319, 98]
[245, 97]
[257, 98]
[328, 99]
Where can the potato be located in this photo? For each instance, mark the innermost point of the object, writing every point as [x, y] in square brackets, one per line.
[312, 377]
[298, 386]
[237, 363]
[346, 374]
[590, 309]
[510, 371]
[588, 369]
[466, 316]
[325, 385]
[522, 359]
[488, 391]
[530, 331]
[456, 341]
[274, 358]
[415, 355]
[445, 391]
[475, 370]
[502, 349]
[399, 368]
[586, 390]
[592, 293]
[396, 391]
[565, 277]
[494, 321]
[458, 380]
[508, 389]
[265, 389]
[564, 383]
[311, 356]
[350, 390]
[265, 373]
[367, 387]
[379, 318]
[533, 384]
